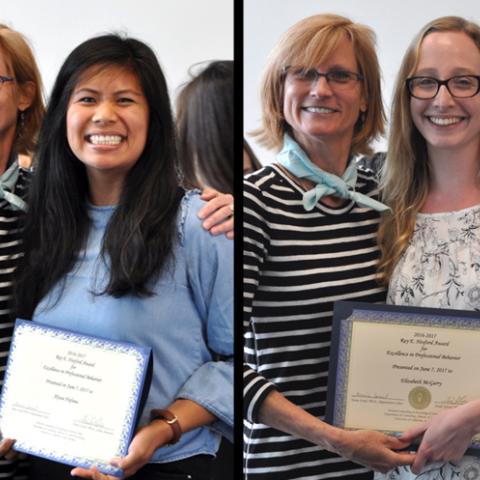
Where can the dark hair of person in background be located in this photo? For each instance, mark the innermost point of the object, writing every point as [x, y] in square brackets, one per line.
[250, 161]
[205, 127]
[139, 236]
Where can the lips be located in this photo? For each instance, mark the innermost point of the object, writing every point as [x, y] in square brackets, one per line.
[103, 139]
[315, 109]
[444, 121]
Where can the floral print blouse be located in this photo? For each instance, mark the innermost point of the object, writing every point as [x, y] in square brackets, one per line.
[440, 268]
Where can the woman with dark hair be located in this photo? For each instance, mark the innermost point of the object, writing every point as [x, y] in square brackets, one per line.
[205, 140]
[109, 229]
[205, 127]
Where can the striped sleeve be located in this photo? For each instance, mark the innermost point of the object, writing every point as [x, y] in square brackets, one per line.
[296, 265]
[255, 244]
[11, 251]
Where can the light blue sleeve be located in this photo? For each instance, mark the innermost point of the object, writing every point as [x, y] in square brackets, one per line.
[210, 273]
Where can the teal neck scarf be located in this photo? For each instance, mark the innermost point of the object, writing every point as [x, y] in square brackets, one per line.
[294, 159]
[8, 180]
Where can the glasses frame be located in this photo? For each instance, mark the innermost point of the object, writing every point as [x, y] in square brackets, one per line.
[5, 79]
[358, 76]
[439, 83]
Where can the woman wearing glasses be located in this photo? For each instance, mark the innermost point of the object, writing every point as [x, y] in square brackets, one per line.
[310, 228]
[21, 112]
[430, 243]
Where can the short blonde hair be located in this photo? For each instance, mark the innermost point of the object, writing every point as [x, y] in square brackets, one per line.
[406, 175]
[20, 59]
[306, 44]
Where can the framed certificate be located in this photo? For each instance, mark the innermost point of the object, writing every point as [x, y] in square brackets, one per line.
[393, 367]
[72, 398]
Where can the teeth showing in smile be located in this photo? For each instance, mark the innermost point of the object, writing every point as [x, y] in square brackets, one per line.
[319, 110]
[442, 121]
[105, 139]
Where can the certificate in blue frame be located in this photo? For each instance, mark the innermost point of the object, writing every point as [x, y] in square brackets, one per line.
[346, 313]
[137, 357]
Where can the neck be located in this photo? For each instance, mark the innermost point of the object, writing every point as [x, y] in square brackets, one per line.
[454, 179]
[330, 157]
[104, 190]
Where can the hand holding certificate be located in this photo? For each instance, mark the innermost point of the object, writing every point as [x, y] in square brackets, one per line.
[397, 367]
[71, 398]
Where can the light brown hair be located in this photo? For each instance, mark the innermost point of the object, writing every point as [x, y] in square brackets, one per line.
[306, 44]
[20, 58]
[406, 175]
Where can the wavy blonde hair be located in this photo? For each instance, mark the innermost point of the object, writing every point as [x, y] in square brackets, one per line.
[19, 57]
[306, 44]
[405, 175]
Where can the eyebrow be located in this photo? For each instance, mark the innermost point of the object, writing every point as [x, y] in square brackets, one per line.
[333, 67]
[118, 92]
[454, 72]
[342, 67]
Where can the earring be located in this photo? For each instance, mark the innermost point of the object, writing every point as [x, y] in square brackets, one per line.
[21, 123]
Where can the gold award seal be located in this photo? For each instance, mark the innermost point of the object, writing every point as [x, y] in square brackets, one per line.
[419, 398]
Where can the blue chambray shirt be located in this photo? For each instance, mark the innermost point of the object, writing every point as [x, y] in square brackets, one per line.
[189, 317]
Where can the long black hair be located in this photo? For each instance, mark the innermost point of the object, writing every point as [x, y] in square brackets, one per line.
[140, 234]
[205, 127]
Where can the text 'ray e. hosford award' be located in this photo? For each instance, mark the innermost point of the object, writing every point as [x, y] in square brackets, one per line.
[394, 367]
[72, 398]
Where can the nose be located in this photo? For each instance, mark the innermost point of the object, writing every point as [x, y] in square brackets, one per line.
[443, 97]
[320, 87]
[104, 113]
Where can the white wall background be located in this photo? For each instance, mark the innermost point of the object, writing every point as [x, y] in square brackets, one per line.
[394, 22]
[181, 32]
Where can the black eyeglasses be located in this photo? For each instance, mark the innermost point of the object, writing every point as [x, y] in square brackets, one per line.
[460, 86]
[338, 79]
[4, 79]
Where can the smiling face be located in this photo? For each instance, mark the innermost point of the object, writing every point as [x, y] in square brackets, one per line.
[318, 111]
[107, 122]
[446, 122]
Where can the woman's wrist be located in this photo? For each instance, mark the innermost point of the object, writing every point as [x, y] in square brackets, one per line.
[179, 417]
[474, 407]
[331, 438]
[162, 432]
[171, 420]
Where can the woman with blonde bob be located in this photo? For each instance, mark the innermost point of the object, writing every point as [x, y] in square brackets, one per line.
[310, 227]
[21, 113]
[22, 86]
[429, 243]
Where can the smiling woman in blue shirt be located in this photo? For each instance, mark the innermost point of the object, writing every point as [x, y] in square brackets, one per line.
[114, 248]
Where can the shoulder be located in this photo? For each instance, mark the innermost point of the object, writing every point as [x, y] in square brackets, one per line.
[263, 179]
[188, 219]
[373, 162]
[24, 179]
[189, 225]
[267, 185]
[367, 180]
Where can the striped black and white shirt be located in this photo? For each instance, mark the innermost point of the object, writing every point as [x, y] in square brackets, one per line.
[296, 264]
[11, 250]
